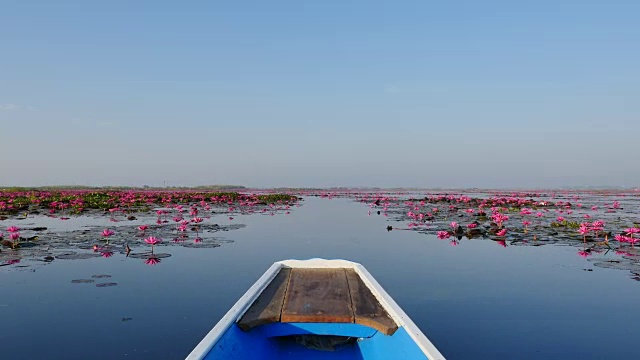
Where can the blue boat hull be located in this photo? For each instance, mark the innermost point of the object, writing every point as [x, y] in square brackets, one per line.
[366, 324]
[278, 341]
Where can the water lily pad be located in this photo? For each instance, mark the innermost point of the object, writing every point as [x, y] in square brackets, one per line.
[146, 255]
[76, 256]
[82, 281]
[200, 245]
[109, 284]
[100, 276]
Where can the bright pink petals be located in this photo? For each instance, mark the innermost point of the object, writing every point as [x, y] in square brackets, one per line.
[152, 240]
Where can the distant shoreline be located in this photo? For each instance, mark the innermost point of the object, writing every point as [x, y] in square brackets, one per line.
[293, 188]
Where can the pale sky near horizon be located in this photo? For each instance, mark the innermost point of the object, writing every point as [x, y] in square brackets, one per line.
[324, 93]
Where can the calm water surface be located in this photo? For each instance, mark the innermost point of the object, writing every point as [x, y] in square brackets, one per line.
[473, 301]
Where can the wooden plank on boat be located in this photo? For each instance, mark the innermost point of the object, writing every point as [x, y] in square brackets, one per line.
[268, 306]
[367, 310]
[317, 295]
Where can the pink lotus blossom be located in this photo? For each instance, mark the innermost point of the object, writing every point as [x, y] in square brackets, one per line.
[584, 228]
[560, 219]
[106, 233]
[143, 227]
[443, 235]
[621, 238]
[152, 240]
[472, 226]
[13, 229]
[454, 225]
[502, 232]
[14, 236]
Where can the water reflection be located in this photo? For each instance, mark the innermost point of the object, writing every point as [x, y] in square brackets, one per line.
[152, 260]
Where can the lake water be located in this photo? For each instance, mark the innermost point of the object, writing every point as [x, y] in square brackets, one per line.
[476, 300]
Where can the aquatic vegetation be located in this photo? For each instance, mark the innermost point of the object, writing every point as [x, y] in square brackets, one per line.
[124, 202]
[519, 218]
[152, 240]
[121, 207]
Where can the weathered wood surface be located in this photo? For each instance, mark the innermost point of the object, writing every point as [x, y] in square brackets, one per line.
[332, 295]
[318, 295]
[367, 310]
[268, 306]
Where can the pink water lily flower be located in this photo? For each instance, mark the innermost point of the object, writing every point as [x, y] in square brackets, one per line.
[502, 232]
[443, 235]
[106, 233]
[143, 227]
[13, 229]
[621, 238]
[152, 240]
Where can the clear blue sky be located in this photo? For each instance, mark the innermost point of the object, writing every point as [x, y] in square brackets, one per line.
[323, 93]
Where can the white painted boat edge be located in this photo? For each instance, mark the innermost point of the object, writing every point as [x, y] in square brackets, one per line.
[237, 310]
[319, 263]
[398, 315]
